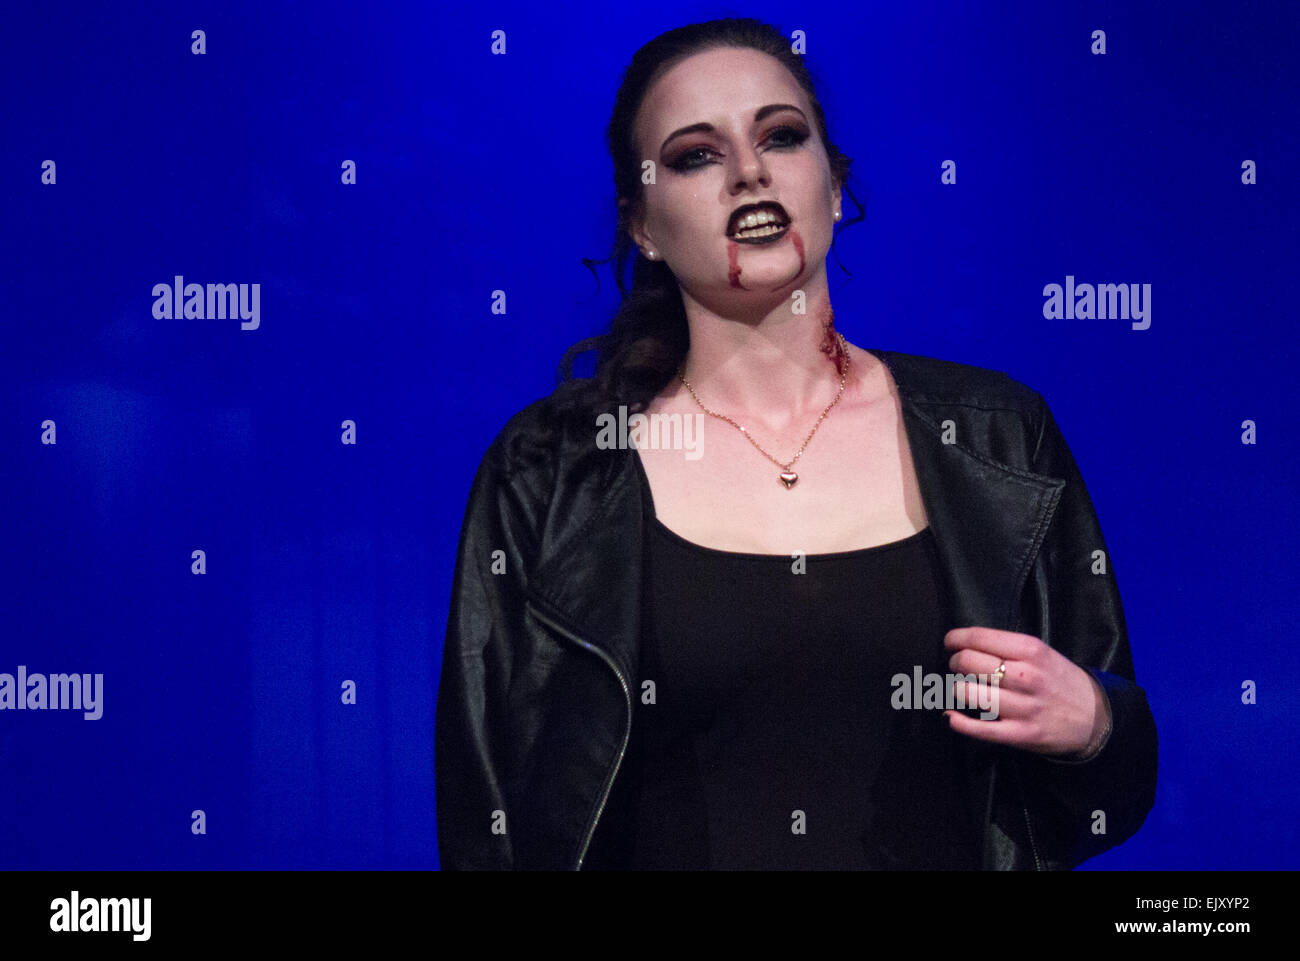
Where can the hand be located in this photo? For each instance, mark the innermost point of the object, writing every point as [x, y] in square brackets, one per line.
[1046, 703]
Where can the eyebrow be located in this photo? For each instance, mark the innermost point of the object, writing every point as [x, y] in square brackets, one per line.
[708, 127]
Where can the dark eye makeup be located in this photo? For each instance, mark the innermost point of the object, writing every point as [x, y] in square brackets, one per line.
[786, 137]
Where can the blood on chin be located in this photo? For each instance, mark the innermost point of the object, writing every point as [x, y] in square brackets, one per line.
[734, 269]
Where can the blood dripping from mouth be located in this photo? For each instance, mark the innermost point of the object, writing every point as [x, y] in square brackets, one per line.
[798, 246]
[733, 258]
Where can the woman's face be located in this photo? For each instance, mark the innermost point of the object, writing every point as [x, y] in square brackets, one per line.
[730, 128]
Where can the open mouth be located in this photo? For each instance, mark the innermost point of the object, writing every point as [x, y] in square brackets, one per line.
[758, 223]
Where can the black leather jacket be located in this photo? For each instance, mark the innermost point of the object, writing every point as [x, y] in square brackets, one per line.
[534, 702]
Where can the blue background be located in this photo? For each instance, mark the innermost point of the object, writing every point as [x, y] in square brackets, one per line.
[479, 173]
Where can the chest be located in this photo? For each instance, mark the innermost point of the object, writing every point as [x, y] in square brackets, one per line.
[857, 485]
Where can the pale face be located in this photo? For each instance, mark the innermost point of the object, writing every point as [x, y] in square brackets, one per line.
[761, 144]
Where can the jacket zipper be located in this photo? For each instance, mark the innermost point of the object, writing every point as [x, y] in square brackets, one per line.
[1033, 844]
[627, 699]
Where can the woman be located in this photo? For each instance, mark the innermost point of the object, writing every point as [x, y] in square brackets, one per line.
[723, 657]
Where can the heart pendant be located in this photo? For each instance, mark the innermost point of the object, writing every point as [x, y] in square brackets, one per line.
[788, 477]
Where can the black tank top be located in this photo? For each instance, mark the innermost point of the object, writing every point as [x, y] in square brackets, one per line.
[768, 739]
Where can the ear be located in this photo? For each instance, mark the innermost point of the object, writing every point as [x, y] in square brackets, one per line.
[635, 225]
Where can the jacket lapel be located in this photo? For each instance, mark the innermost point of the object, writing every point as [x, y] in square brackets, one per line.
[591, 571]
[988, 521]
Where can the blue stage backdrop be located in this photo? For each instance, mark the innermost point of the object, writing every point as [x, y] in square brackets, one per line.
[242, 528]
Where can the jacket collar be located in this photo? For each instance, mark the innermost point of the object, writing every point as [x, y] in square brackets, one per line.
[988, 519]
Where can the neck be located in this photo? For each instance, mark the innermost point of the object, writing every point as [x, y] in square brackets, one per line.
[771, 367]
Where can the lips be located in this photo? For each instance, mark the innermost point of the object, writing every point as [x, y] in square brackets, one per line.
[758, 223]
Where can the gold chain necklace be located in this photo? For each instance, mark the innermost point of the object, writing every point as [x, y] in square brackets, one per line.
[788, 476]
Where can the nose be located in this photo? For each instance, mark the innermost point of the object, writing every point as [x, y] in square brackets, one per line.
[750, 170]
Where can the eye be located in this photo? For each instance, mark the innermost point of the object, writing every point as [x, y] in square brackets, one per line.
[782, 138]
[690, 159]
[788, 136]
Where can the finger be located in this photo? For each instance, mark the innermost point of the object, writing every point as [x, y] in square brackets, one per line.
[1013, 733]
[1015, 679]
[1006, 645]
[971, 661]
[1004, 704]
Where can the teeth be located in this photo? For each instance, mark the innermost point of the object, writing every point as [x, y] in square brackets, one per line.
[765, 231]
[756, 219]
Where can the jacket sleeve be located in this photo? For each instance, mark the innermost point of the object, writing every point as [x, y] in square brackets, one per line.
[471, 721]
[1080, 808]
